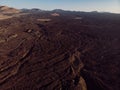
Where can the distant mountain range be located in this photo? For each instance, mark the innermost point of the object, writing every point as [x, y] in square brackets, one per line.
[10, 10]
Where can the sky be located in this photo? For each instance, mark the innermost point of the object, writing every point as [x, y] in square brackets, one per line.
[77, 5]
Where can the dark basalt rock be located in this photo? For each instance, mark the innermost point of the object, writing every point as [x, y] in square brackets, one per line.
[62, 54]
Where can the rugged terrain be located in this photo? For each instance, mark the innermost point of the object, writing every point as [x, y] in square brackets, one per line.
[60, 50]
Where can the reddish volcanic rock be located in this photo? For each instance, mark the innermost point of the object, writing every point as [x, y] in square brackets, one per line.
[63, 54]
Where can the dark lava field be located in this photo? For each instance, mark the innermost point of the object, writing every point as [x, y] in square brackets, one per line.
[60, 50]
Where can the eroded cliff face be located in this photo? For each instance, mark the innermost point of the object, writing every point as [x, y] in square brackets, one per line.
[60, 54]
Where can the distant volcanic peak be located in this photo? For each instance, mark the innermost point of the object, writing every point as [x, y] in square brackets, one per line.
[6, 9]
[36, 9]
[3, 7]
[58, 10]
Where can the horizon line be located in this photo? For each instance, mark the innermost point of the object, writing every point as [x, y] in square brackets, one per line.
[98, 11]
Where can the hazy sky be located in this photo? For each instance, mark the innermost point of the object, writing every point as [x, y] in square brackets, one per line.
[79, 5]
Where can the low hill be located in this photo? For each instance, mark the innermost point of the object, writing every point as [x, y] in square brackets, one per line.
[8, 10]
